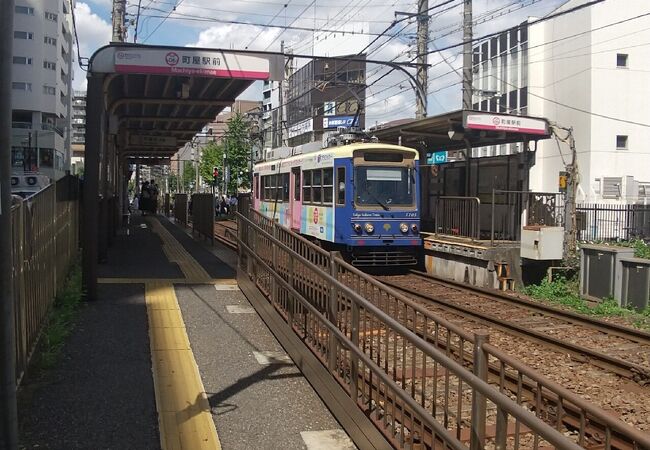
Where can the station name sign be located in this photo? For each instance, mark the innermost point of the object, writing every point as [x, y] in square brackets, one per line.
[192, 63]
[145, 140]
[504, 122]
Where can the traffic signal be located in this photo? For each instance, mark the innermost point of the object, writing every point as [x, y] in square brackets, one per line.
[215, 174]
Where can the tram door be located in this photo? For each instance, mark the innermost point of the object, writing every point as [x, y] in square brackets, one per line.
[295, 199]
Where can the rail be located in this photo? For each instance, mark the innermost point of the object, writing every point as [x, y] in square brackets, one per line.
[45, 232]
[459, 216]
[406, 370]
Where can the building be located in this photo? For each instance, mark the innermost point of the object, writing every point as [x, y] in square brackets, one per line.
[322, 96]
[583, 71]
[42, 86]
[78, 138]
[270, 114]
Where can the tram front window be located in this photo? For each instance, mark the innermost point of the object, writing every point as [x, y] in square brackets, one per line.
[384, 186]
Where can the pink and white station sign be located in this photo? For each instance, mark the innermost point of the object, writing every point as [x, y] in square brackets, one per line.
[503, 122]
[192, 63]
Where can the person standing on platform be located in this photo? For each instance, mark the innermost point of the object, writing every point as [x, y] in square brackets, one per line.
[233, 204]
[145, 198]
[153, 188]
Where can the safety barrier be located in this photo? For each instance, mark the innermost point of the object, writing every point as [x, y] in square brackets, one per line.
[45, 231]
[458, 216]
[203, 215]
[423, 381]
[181, 208]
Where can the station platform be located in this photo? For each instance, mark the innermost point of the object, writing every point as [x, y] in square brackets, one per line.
[172, 356]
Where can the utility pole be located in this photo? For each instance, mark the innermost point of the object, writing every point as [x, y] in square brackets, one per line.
[119, 30]
[570, 215]
[281, 100]
[422, 72]
[467, 54]
[8, 406]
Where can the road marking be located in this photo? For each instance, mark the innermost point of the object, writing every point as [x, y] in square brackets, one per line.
[327, 440]
[237, 309]
[184, 414]
[268, 358]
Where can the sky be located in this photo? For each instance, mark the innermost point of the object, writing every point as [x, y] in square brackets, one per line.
[206, 23]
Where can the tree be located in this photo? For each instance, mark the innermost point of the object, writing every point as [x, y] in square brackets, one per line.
[238, 151]
[211, 157]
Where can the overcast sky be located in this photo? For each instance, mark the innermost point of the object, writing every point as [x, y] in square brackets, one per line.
[192, 23]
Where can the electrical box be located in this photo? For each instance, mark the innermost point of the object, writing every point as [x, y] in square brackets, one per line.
[542, 243]
[601, 271]
[635, 283]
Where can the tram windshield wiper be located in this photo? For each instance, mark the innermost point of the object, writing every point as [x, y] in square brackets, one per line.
[382, 204]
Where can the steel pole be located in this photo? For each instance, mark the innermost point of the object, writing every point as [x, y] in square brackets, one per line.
[422, 71]
[8, 406]
[467, 54]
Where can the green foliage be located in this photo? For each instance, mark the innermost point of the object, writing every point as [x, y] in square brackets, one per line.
[211, 157]
[173, 182]
[566, 293]
[641, 249]
[61, 319]
[238, 152]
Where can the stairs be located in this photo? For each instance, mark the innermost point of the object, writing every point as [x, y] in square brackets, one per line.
[506, 282]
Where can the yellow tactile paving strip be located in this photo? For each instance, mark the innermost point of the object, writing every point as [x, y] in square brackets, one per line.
[184, 415]
[176, 253]
[183, 409]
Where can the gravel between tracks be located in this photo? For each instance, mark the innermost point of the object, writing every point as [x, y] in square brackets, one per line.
[624, 398]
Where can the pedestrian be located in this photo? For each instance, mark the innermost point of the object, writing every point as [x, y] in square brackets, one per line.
[135, 204]
[233, 204]
[224, 205]
[145, 198]
[153, 188]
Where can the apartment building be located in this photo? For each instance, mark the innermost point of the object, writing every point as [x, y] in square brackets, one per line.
[588, 70]
[42, 86]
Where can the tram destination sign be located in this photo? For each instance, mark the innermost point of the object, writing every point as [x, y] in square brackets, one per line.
[191, 63]
[504, 122]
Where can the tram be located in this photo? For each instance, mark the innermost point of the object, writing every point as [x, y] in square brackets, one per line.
[357, 196]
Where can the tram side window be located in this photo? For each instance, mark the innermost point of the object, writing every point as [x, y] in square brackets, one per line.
[284, 195]
[317, 186]
[340, 186]
[306, 186]
[328, 186]
[257, 185]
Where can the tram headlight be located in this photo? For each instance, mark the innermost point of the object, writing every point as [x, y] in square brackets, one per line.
[356, 227]
[369, 228]
[414, 227]
[403, 228]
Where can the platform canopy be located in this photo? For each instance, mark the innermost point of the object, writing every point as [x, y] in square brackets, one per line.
[144, 103]
[459, 129]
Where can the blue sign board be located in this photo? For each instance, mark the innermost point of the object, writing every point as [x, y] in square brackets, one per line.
[339, 121]
[437, 158]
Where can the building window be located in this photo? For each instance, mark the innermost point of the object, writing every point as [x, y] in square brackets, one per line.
[49, 40]
[22, 60]
[621, 142]
[49, 90]
[21, 86]
[621, 60]
[23, 35]
[51, 16]
[49, 65]
[24, 10]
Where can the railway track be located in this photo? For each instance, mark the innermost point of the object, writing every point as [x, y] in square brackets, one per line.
[621, 350]
[225, 232]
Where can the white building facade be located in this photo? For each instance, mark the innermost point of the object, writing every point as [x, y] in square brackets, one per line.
[588, 70]
[42, 86]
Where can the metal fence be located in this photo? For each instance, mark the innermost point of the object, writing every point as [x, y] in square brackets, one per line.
[45, 232]
[510, 210]
[458, 216]
[603, 222]
[423, 381]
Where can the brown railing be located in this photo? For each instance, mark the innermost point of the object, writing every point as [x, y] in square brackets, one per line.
[45, 232]
[422, 381]
[458, 216]
[421, 375]
[602, 222]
